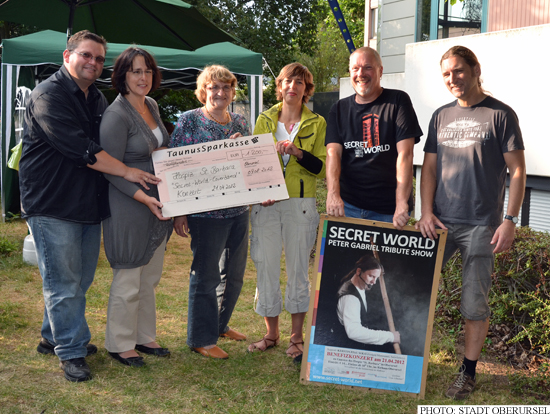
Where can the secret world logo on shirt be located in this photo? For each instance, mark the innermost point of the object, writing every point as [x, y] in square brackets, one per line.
[361, 148]
[371, 138]
[463, 132]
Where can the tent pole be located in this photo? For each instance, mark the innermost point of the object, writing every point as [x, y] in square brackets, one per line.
[72, 6]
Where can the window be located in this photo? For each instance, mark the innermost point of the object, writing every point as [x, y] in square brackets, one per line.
[461, 19]
[438, 19]
[423, 20]
[371, 18]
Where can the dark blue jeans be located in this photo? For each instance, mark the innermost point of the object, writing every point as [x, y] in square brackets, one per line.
[356, 212]
[215, 243]
[67, 258]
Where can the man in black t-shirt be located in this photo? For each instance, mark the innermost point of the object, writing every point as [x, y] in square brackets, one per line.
[471, 144]
[370, 139]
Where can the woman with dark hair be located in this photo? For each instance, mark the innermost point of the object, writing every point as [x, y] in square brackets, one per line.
[299, 136]
[352, 303]
[136, 233]
[219, 238]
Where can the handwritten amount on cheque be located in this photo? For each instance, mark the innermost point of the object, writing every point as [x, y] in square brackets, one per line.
[193, 183]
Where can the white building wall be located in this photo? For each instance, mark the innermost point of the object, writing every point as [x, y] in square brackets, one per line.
[397, 27]
[513, 70]
[393, 81]
[511, 67]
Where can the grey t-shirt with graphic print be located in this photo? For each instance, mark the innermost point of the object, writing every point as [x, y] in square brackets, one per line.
[471, 171]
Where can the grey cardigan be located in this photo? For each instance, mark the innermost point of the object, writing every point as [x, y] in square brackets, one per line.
[132, 233]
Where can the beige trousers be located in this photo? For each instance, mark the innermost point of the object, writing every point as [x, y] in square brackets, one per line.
[131, 314]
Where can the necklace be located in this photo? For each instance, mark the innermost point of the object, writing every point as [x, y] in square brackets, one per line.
[141, 113]
[137, 109]
[215, 119]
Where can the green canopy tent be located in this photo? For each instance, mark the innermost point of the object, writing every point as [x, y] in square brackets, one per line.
[166, 23]
[27, 60]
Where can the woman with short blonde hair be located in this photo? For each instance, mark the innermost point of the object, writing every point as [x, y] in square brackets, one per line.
[219, 238]
[211, 74]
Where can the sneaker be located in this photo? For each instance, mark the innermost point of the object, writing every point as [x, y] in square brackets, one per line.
[76, 370]
[46, 348]
[462, 386]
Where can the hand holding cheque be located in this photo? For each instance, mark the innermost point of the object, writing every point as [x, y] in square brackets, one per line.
[215, 175]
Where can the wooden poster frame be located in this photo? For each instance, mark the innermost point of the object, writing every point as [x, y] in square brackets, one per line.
[408, 285]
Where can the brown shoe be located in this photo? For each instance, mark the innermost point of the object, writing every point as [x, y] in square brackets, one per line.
[232, 334]
[215, 352]
[462, 386]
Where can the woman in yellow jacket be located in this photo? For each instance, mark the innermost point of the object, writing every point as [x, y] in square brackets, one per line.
[299, 136]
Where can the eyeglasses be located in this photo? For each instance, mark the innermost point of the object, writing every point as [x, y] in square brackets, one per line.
[89, 56]
[139, 73]
[217, 88]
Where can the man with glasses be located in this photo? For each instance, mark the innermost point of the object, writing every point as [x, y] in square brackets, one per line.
[370, 139]
[61, 191]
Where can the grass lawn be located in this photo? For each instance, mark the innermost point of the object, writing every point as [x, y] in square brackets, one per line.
[187, 382]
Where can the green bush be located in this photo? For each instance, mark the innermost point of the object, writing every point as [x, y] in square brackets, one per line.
[520, 296]
[536, 329]
[521, 293]
[6, 247]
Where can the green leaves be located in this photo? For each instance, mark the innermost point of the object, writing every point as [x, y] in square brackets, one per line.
[285, 31]
[275, 28]
[520, 295]
[172, 103]
[329, 60]
[6, 246]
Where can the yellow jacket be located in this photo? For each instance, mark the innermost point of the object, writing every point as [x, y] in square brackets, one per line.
[300, 176]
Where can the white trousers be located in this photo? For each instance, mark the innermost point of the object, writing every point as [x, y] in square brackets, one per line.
[292, 223]
[131, 314]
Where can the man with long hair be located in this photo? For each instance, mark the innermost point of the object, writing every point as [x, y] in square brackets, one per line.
[472, 143]
[352, 303]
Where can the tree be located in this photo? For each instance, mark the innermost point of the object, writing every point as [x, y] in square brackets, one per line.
[9, 30]
[274, 28]
[288, 30]
[172, 103]
[328, 61]
[472, 10]
[354, 14]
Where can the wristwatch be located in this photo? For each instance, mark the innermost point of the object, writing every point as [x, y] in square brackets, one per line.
[513, 219]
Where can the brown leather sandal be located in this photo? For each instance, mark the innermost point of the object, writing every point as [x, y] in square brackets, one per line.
[298, 351]
[263, 344]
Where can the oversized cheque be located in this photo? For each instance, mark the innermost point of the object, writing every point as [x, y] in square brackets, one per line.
[219, 174]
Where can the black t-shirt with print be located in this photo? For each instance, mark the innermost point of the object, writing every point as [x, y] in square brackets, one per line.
[369, 134]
